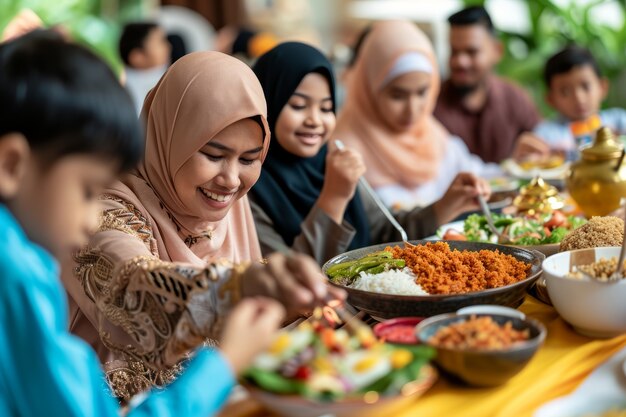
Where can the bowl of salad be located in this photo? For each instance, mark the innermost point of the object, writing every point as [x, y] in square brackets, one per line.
[542, 232]
[315, 369]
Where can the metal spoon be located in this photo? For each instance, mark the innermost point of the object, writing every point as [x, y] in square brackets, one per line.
[368, 188]
[618, 274]
[502, 237]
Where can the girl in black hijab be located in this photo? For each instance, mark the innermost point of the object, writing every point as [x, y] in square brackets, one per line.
[307, 197]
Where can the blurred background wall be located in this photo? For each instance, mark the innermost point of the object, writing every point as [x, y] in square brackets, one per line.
[531, 30]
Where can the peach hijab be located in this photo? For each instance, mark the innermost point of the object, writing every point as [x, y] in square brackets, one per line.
[198, 96]
[408, 158]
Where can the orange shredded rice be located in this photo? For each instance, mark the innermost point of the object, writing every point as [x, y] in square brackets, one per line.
[440, 270]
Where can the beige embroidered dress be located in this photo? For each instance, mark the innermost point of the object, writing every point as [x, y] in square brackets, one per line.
[146, 313]
[141, 314]
[158, 279]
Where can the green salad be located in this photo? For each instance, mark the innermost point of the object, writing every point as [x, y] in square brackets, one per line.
[321, 363]
[529, 230]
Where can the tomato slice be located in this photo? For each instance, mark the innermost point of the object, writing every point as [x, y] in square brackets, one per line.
[452, 234]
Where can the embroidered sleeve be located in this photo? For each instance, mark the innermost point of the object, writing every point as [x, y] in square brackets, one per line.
[151, 311]
[122, 216]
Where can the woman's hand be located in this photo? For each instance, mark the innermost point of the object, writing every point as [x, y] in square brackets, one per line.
[294, 280]
[343, 170]
[250, 328]
[461, 197]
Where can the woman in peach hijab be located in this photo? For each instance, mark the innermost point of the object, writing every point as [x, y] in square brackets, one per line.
[165, 265]
[387, 116]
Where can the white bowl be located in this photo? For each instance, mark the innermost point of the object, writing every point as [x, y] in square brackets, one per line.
[593, 308]
[492, 309]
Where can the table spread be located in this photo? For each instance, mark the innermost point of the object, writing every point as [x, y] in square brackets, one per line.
[557, 369]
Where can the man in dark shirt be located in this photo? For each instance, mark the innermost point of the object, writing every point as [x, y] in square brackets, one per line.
[487, 112]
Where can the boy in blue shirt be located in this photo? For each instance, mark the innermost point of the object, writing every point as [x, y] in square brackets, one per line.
[67, 128]
[576, 89]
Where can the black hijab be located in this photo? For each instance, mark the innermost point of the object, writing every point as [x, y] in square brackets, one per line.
[290, 185]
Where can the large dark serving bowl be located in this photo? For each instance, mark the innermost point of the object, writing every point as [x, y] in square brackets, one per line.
[387, 306]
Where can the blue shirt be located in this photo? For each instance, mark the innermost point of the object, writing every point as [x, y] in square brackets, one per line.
[46, 371]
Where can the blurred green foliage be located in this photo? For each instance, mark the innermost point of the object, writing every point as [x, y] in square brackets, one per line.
[551, 28]
[95, 23]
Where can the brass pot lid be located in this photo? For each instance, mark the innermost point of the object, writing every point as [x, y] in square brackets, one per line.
[538, 197]
[604, 147]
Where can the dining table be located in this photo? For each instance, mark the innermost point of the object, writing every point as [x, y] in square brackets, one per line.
[563, 363]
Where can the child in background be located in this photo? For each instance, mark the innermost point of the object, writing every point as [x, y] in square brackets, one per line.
[576, 89]
[243, 43]
[145, 50]
[66, 130]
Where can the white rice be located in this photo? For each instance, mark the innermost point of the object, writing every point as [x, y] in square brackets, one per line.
[394, 281]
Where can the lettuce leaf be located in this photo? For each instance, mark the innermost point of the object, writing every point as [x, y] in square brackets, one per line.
[273, 382]
[557, 236]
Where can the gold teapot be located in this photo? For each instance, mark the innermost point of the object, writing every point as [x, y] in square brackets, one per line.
[597, 182]
[538, 197]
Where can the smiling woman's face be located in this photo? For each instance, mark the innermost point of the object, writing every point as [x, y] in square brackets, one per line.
[222, 171]
[307, 120]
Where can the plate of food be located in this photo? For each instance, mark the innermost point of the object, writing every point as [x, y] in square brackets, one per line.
[316, 369]
[504, 184]
[542, 232]
[553, 167]
[425, 278]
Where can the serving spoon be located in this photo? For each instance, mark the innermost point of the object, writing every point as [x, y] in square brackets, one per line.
[502, 237]
[619, 272]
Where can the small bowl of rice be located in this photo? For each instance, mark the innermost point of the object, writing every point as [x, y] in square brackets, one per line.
[482, 349]
[594, 307]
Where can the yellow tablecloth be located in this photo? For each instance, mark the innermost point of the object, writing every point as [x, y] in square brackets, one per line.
[557, 369]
